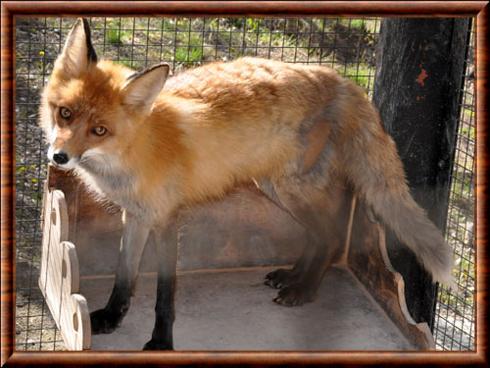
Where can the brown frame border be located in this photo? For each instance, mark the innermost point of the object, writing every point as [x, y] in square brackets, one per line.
[10, 9]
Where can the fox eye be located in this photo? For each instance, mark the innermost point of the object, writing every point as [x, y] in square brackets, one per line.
[99, 130]
[65, 113]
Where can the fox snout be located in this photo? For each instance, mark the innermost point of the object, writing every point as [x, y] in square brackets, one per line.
[60, 158]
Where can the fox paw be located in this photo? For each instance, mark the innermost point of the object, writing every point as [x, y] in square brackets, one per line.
[158, 345]
[280, 278]
[104, 322]
[295, 295]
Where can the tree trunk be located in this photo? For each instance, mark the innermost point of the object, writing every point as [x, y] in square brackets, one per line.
[420, 69]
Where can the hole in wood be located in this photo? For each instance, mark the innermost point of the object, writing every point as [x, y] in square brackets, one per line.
[53, 216]
[63, 269]
[75, 322]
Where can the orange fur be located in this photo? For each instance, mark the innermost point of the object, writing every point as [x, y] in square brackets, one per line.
[211, 134]
[223, 124]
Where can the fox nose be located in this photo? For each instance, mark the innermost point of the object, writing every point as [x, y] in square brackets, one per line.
[60, 158]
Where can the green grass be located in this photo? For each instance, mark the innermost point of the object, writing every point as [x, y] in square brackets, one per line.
[113, 36]
[191, 50]
[187, 43]
[188, 55]
[358, 23]
[117, 36]
[361, 74]
[253, 24]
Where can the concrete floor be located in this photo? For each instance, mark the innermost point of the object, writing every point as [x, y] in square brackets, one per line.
[235, 311]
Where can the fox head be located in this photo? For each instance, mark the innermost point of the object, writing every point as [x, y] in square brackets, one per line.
[90, 109]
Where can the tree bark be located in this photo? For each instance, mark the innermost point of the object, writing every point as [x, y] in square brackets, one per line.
[420, 69]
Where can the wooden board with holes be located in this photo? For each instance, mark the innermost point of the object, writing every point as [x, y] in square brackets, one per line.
[59, 278]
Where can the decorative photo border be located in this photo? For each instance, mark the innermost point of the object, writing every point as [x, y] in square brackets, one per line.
[11, 9]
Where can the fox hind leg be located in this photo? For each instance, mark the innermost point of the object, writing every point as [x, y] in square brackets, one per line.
[320, 211]
[301, 288]
[283, 277]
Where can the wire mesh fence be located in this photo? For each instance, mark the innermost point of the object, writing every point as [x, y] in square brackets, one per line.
[35, 329]
[347, 45]
[454, 322]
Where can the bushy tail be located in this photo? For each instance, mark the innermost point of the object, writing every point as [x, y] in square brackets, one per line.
[410, 223]
[373, 166]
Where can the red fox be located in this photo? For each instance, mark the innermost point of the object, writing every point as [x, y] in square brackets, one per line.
[154, 145]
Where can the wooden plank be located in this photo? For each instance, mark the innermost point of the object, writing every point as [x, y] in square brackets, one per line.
[55, 231]
[369, 262]
[59, 279]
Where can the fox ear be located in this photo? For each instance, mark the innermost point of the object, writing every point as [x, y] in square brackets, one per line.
[78, 51]
[141, 89]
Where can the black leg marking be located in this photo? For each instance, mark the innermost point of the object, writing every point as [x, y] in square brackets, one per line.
[166, 244]
[106, 320]
[303, 288]
[280, 278]
[135, 235]
[296, 294]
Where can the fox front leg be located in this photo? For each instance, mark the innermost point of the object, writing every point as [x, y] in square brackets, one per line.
[166, 244]
[135, 235]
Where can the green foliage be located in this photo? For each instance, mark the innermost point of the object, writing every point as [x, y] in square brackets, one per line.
[253, 24]
[357, 23]
[361, 74]
[360, 80]
[188, 55]
[113, 36]
[117, 36]
[190, 51]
